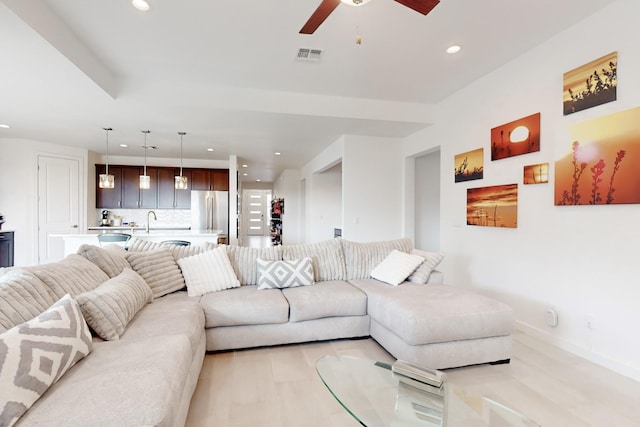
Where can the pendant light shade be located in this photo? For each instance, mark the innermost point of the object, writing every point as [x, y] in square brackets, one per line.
[145, 180]
[181, 182]
[106, 180]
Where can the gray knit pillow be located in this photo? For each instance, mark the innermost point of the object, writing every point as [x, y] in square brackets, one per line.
[109, 308]
[111, 259]
[73, 275]
[159, 269]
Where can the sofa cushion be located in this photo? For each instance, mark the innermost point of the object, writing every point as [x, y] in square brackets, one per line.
[244, 261]
[109, 308]
[325, 299]
[285, 274]
[175, 313]
[142, 245]
[158, 269]
[36, 354]
[210, 271]
[437, 313]
[328, 258]
[23, 296]
[179, 252]
[111, 258]
[396, 267]
[361, 258]
[423, 272]
[73, 275]
[245, 305]
[122, 383]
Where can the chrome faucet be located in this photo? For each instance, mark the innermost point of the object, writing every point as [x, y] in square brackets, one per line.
[149, 218]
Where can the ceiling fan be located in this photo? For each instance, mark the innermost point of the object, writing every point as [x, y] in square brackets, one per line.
[328, 6]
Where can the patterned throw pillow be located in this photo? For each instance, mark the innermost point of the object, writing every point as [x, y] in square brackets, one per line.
[109, 308]
[284, 274]
[35, 354]
[210, 271]
[396, 267]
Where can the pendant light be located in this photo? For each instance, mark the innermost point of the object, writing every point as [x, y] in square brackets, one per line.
[106, 180]
[181, 182]
[145, 180]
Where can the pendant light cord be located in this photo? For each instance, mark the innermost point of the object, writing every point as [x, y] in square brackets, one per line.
[107, 130]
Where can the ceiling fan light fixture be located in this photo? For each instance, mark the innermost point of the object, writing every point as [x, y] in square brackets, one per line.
[355, 2]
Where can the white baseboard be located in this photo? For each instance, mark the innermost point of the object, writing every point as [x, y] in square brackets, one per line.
[599, 359]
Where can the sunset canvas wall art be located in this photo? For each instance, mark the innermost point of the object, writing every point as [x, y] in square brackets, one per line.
[601, 165]
[518, 137]
[495, 206]
[536, 174]
[590, 85]
[469, 166]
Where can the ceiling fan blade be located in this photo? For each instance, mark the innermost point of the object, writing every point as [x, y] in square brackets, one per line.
[318, 17]
[422, 6]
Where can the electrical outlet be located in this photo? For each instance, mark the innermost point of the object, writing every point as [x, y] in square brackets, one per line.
[551, 317]
[590, 322]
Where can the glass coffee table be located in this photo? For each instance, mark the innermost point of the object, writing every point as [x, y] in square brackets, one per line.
[376, 397]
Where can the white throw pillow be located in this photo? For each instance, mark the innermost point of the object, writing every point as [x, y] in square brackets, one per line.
[285, 274]
[422, 273]
[396, 267]
[34, 355]
[210, 271]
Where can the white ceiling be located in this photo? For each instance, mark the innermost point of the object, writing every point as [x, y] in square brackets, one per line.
[225, 72]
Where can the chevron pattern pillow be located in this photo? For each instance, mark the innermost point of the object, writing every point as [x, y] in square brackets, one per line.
[284, 274]
[34, 355]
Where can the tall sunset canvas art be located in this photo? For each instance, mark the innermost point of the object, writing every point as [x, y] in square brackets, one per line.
[495, 206]
[600, 165]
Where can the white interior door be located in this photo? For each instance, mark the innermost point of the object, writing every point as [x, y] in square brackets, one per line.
[58, 204]
[256, 212]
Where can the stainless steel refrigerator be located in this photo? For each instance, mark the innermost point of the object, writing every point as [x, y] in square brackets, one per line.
[210, 211]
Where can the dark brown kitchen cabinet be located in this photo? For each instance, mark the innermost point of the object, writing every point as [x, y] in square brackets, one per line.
[127, 194]
[210, 179]
[168, 196]
[6, 248]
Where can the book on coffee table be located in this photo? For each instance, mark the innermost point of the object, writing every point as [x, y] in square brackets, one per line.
[416, 372]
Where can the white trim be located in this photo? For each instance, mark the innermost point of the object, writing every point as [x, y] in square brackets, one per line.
[599, 359]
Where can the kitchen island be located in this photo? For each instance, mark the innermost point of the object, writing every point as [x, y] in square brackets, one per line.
[197, 237]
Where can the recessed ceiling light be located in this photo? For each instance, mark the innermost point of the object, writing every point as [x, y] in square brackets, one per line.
[4, 126]
[140, 5]
[258, 180]
[209, 149]
[453, 49]
[123, 145]
[245, 174]
[277, 153]
[245, 166]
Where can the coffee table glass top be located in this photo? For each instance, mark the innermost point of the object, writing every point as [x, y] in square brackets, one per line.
[376, 397]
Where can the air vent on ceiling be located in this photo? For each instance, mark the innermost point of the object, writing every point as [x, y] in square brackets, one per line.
[305, 54]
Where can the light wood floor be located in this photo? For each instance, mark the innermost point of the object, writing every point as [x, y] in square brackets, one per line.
[278, 387]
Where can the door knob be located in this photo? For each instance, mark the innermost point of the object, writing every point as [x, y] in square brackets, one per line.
[74, 226]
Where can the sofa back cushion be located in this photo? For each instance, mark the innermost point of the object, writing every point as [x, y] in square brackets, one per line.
[73, 275]
[327, 258]
[361, 258]
[245, 261]
[22, 297]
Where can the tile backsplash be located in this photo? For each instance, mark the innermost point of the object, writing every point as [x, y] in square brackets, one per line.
[166, 217]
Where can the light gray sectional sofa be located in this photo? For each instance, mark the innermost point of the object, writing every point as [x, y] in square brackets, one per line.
[145, 374]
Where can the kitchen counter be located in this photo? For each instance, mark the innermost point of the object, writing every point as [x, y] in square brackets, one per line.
[136, 228]
[197, 237]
